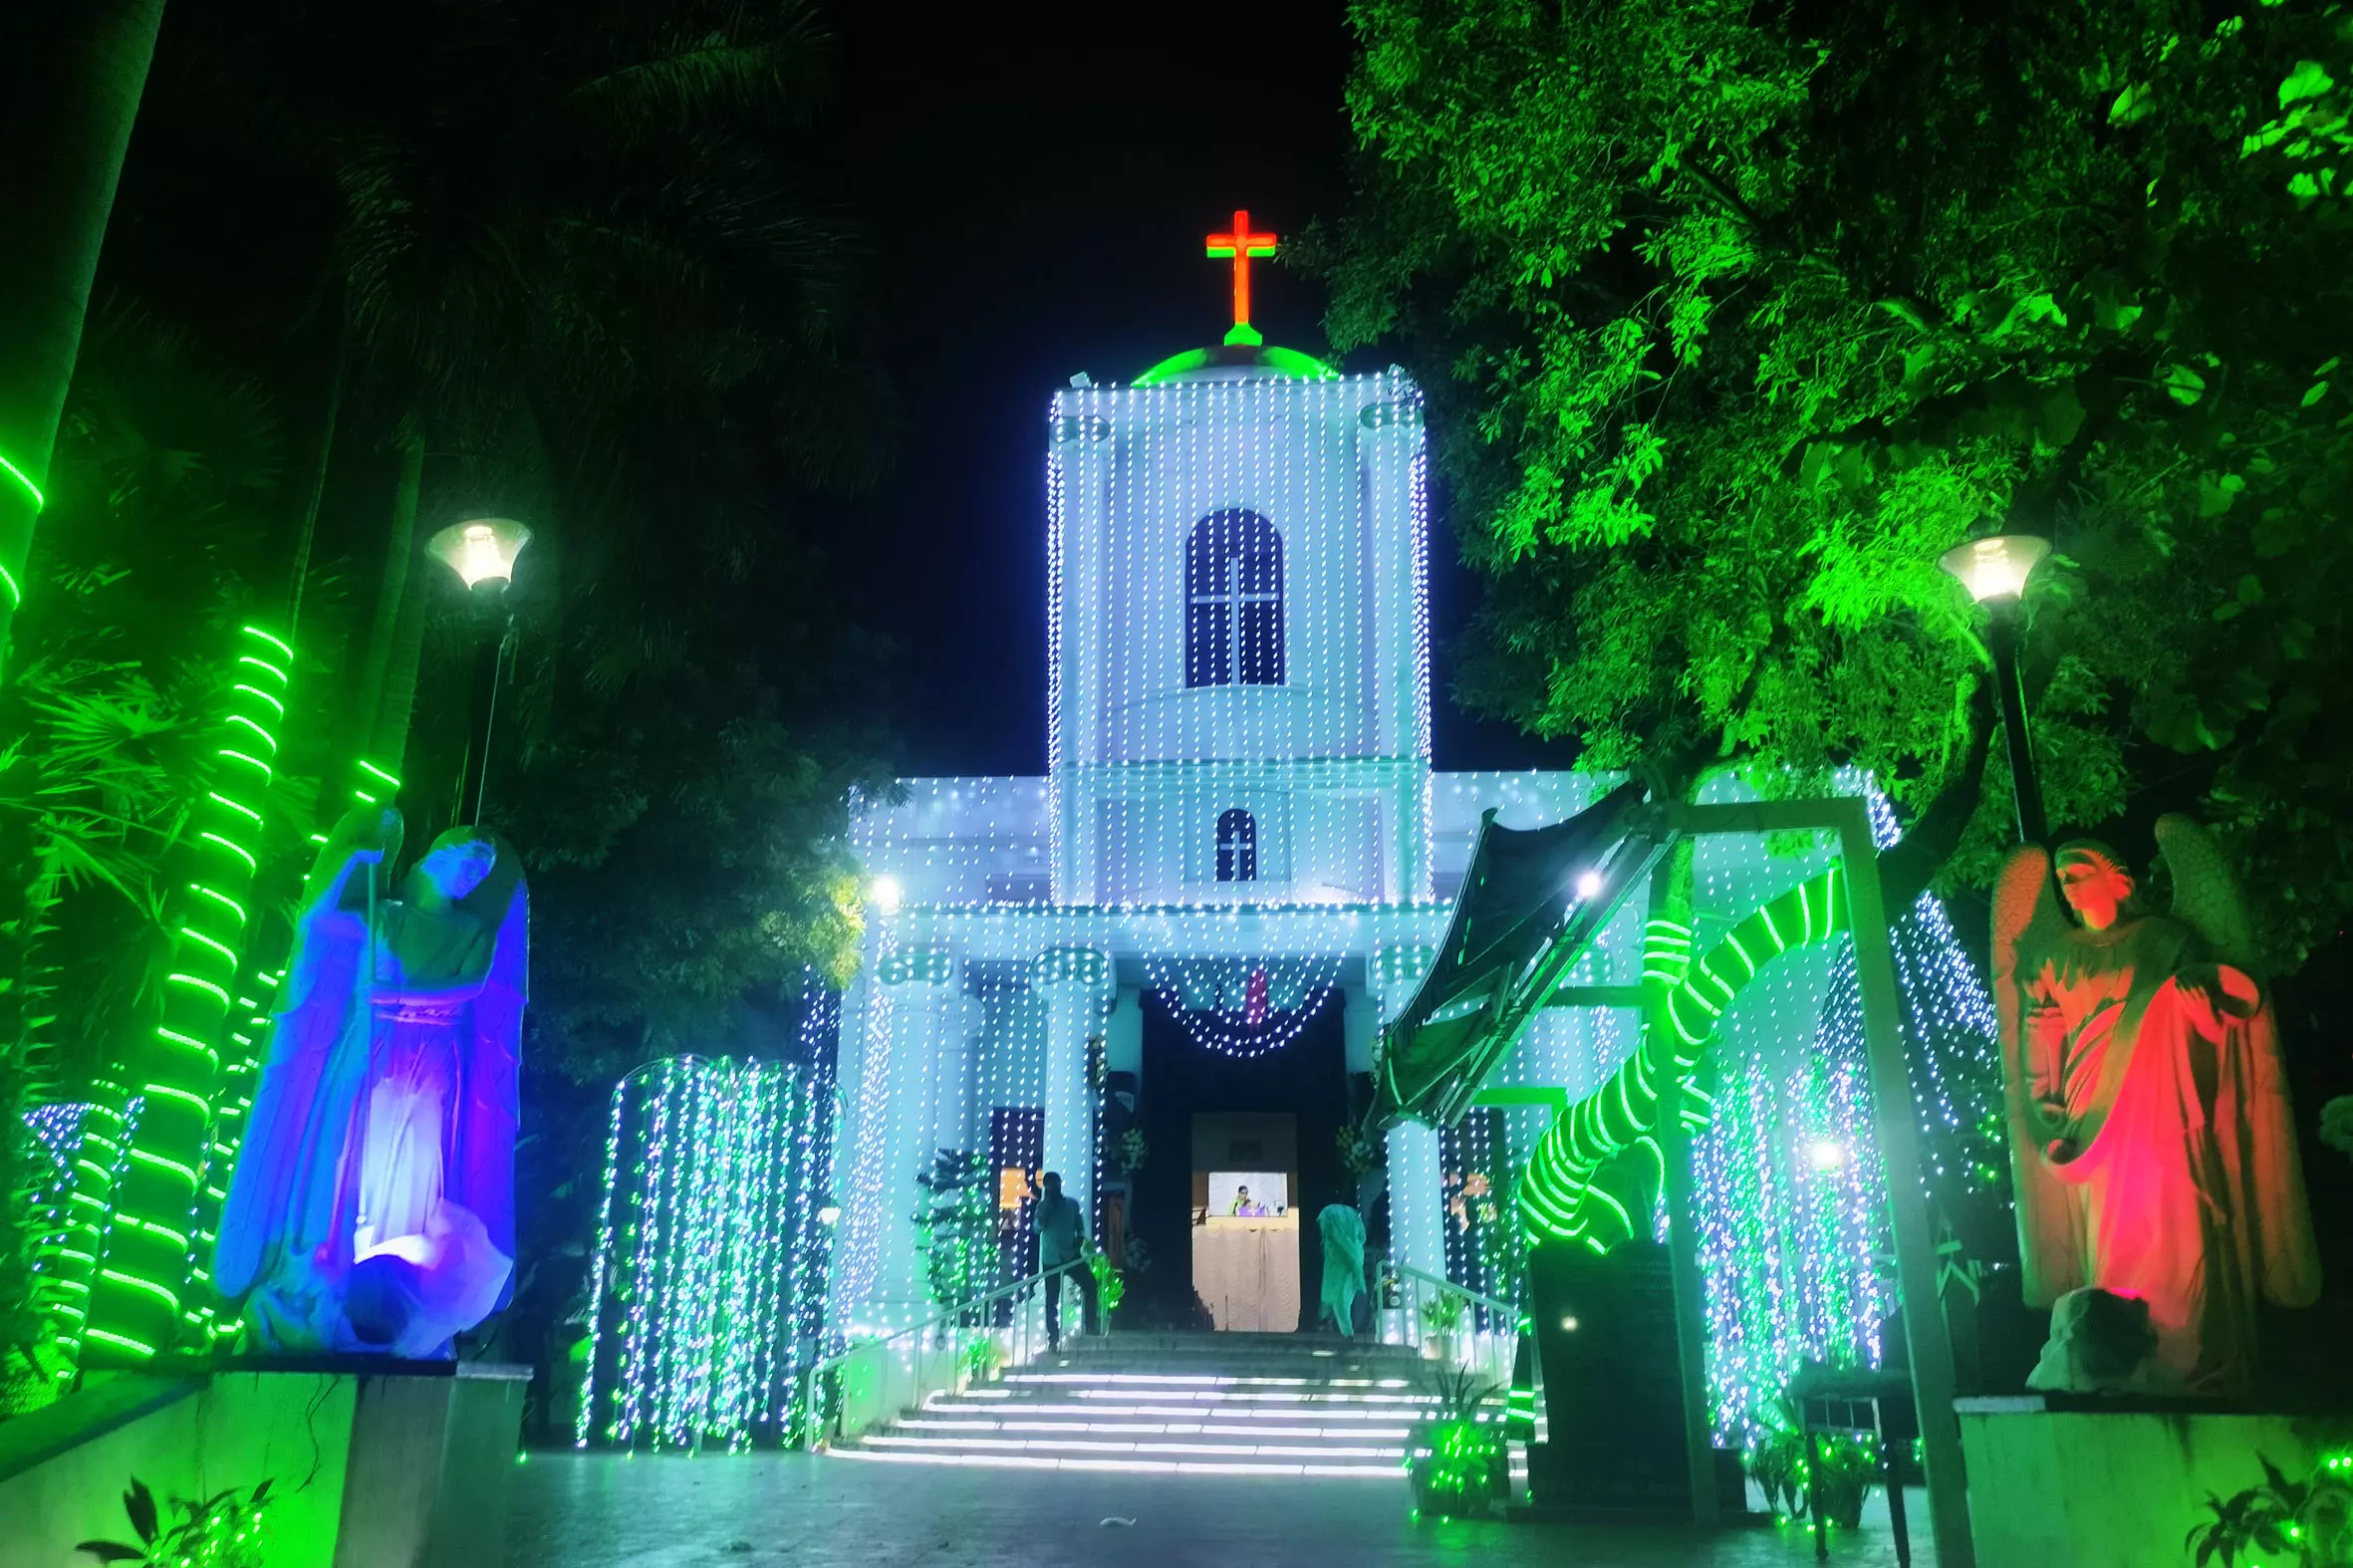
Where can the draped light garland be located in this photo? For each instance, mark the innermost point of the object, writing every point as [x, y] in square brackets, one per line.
[1792, 1223]
[1241, 1005]
[708, 1257]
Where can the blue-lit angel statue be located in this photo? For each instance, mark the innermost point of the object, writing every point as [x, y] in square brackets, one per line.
[372, 1207]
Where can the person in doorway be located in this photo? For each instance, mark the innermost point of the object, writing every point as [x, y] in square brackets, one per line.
[1242, 1207]
[1062, 1238]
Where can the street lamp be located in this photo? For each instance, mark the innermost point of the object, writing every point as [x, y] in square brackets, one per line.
[481, 549]
[482, 552]
[1995, 571]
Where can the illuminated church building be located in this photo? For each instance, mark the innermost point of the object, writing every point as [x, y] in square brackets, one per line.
[1234, 868]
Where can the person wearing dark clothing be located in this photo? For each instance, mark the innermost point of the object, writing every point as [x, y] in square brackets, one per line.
[1062, 1238]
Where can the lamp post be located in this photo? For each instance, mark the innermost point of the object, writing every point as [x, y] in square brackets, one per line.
[482, 552]
[1994, 570]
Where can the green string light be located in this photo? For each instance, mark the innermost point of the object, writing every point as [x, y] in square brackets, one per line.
[32, 492]
[1566, 1191]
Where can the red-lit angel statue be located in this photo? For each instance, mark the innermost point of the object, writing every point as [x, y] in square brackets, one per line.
[372, 1207]
[2151, 1139]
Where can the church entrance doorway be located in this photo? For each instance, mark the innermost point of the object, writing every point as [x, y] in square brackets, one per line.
[1245, 1231]
[1216, 1124]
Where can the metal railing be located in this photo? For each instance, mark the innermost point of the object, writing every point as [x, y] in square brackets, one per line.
[934, 1353]
[1492, 1350]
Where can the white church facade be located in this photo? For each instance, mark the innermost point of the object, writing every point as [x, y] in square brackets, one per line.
[1232, 869]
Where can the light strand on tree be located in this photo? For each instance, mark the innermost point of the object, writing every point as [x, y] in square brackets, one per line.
[703, 1255]
[1567, 1193]
[1792, 1220]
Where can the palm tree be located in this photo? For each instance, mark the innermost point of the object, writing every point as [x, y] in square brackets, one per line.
[164, 470]
[74, 75]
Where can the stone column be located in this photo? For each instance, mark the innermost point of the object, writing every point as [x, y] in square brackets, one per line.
[917, 1040]
[1076, 985]
[1417, 1199]
[1389, 453]
[1083, 449]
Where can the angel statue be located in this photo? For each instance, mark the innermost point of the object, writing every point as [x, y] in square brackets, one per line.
[2151, 1143]
[372, 1207]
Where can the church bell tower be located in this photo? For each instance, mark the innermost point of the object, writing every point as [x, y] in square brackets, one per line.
[1238, 706]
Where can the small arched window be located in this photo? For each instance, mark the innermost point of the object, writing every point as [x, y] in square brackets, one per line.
[1233, 601]
[1237, 846]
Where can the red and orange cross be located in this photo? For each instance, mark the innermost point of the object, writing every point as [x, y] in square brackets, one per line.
[1242, 246]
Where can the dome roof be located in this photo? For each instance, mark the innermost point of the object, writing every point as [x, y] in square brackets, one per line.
[1236, 362]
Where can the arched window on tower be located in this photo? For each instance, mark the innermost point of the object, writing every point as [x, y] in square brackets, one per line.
[1237, 846]
[1233, 601]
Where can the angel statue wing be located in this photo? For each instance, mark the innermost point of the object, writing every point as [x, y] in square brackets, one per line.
[2028, 923]
[2257, 1147]
[2207, 894]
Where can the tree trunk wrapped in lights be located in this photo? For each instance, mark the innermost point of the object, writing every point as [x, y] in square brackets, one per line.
[137, 1215]
[66, 111]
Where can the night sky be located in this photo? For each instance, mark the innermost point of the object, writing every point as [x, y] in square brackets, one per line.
[1036, 183]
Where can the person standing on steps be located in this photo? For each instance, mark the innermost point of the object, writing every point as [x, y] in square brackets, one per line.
[1344, 1266]
[1062, 1238]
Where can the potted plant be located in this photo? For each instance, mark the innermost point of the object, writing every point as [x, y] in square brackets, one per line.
[1455, 1454]
[1821, 1477]
[1442, 1315]
[2312, 1518]
[983, 1361]
[1111, 1286]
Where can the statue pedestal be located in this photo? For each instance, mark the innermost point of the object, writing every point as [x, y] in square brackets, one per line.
[432, 1459]
[2081, 1481]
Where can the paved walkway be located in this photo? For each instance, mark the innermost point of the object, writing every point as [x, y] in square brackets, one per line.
[792, 1510]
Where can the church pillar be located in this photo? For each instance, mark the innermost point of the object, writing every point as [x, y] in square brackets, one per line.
[1390, 449]
[1076, 985]
[1417, 1201]
[1080, 654]
[923, 1033]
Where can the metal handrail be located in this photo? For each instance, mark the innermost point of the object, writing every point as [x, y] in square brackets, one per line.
[1498, 1345]
[944, 1317]
[1515, 1314]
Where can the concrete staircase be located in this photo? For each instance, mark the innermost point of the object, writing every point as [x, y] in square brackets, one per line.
[1178, 1404]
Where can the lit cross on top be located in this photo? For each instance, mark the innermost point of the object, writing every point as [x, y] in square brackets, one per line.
[1242, 247]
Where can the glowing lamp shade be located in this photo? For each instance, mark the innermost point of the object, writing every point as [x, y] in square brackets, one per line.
[1995, 567]
[481, 549]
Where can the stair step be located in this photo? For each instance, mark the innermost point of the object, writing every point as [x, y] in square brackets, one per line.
[1180, 1404]
[1133, 1465]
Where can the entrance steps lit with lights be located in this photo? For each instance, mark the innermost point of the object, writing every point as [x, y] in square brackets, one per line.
[1178, 1404]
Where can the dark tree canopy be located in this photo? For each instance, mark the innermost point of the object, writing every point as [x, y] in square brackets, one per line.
[1735, 318]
